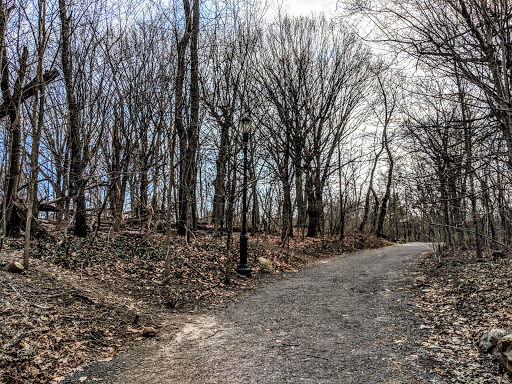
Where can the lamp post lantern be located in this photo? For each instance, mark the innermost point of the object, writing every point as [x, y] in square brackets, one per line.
[243, 268]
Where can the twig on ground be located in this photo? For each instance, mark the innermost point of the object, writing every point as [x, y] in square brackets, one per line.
[19, 294]
[317, 357]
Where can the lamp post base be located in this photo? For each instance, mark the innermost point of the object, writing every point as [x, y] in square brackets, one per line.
[243, 269]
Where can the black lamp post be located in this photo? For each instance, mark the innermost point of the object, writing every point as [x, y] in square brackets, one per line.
[243, 268]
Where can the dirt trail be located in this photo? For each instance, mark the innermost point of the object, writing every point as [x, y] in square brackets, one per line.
[345, 320]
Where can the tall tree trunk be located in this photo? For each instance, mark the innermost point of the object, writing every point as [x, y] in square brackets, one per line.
[185, 194]
[366, 210]
[193, 134]
[375, 210]
[219, 197]
[63, 204]
[231, 188]
[36, 131]
[287, 228]
[287, 208]
[489, 210]
[314, 192]
[172, 149]
[299, 191]
[115, 196]
[12, 217]
[385, 199]
[77, 179]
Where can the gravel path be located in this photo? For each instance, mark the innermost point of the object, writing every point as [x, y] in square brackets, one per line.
[345, 320]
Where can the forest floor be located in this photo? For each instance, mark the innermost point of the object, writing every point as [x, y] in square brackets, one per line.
[86, 300]
[460, 297]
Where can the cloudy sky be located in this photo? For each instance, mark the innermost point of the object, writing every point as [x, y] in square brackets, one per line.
[305, 7]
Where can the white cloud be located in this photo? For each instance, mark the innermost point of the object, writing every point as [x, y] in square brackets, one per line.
[305, 7]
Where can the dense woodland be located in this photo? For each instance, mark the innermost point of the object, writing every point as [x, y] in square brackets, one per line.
[389, 118]
[124, 165]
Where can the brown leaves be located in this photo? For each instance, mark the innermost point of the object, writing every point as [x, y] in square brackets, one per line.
[461, 298]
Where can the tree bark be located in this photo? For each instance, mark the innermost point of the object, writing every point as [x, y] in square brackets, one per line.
[231, 187]
[13, 104]
[115, 196]
[387, 194]
[287, 208]
[77, 180]
[313, 205]
[366, 210]
[287, 228]
[36, 132]
[299, 187]
[187, 155]
[219, 197]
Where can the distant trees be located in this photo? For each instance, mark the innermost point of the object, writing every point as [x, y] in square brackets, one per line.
[314, 74]
[460, 127]
[138, 121]
[226, 81]
[465, 38]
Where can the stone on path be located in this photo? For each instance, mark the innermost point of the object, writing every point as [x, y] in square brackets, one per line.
[267, 264]
[504, 349]
[149, 332]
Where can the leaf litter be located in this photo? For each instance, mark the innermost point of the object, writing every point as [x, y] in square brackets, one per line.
[460, 297]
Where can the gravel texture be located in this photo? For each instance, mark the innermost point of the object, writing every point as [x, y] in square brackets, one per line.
[345, 320]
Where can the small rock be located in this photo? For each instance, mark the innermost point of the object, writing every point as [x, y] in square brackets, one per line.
[267, 264]
[490, 339]
[15, 267]
[149, 332]
[504, 349]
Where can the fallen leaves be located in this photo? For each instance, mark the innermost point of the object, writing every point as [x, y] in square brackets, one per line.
[460, 299]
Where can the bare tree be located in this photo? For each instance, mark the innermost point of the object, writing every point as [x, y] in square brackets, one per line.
[77, 167]
[471, 37]
[314, 73]
[14, 95]
[37, 120]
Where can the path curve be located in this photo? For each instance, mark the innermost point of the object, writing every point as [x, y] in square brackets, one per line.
[345, 320]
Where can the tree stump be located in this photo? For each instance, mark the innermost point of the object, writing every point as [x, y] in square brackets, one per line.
[15, 267]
